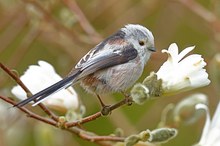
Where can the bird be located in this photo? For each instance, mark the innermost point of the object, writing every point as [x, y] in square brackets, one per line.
[113, 65]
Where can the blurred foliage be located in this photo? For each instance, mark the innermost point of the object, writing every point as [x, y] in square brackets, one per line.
[62, 31]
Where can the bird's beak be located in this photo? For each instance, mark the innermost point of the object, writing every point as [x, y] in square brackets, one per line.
[152, 49]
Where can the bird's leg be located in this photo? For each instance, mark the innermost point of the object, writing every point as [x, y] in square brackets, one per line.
[105, 108]
[100, 100]
[127, 97]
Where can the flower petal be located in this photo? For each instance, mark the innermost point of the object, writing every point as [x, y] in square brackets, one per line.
[199, 79]
[172, 53]
[194, 61]
[207, 124]
[211, 131]
[19, 92]
[216, 118]
[184, 52]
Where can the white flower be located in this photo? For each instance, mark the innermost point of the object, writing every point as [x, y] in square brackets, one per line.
[211, 131]
[37, 78]
[181, 74]
[185, 111]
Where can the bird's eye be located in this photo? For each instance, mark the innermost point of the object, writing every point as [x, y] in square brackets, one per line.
[141, 43]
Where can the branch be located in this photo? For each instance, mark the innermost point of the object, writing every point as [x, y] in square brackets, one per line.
[29, 113]
[82, 121]
[94, 138]
[107, 109]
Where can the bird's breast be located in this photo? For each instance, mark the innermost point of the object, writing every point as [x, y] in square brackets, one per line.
[114, 79]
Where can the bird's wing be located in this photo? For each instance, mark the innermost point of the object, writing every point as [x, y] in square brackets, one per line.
[114, 41]
[108, 57]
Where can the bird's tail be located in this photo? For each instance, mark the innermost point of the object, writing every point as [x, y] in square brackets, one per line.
[38, 97]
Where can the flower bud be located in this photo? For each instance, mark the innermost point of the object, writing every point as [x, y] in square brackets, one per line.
[162, 135]
[131, 140]
[139, 93]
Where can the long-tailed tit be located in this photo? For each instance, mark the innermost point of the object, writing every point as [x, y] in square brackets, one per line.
[113, 65]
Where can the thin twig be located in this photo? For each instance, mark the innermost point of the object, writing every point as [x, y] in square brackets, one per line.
[126, 100]
[84, 120]
[90, 136]
[29, 113]
[19, 82]
[98, 114]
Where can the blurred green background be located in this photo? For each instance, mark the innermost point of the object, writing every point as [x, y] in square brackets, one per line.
[62, 31]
